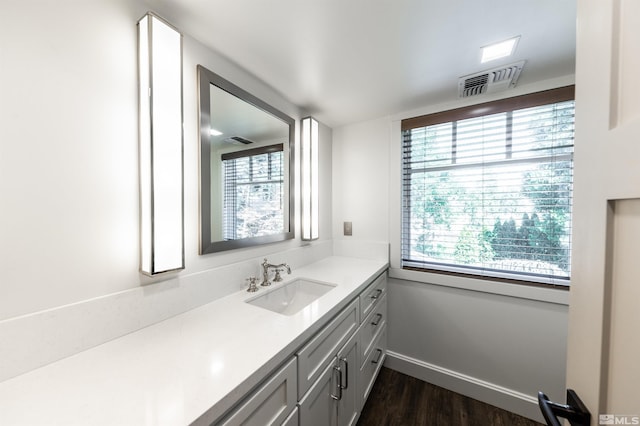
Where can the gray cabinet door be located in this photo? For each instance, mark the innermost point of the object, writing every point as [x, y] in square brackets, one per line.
[317, 408]
[349, 403]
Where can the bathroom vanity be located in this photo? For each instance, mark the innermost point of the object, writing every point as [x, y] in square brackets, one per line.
[227, 362]
[327, 380]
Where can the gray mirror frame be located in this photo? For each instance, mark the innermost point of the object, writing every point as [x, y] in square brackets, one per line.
[205, 79]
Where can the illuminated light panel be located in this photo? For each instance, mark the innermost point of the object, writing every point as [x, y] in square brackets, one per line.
[310, 176]
[499, 50]
[161, 146]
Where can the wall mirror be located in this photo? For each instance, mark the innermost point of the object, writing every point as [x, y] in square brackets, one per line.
[246, 159]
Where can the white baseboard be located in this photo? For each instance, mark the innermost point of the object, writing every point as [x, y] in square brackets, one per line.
[490, 393]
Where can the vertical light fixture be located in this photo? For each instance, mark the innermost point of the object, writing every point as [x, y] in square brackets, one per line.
[309, 179]
[161, 146]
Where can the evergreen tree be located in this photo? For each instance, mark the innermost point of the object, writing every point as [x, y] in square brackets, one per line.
[523, 245]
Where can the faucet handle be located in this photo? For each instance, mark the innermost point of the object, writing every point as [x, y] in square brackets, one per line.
[252, 284]
[278, 278]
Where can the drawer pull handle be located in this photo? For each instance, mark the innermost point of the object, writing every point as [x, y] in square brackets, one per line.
[346, 374]
[377, 320]
[378, 293]
[339, 396]
[377, 360]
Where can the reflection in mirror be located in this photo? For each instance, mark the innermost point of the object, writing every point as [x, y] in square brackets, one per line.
[246, 155]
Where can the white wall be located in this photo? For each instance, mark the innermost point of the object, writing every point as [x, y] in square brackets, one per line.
[69, 227]
[494, 348]
[496, 342]
[69, 153]
[361, 180]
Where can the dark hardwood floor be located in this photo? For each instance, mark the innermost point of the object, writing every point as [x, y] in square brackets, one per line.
[400, 400]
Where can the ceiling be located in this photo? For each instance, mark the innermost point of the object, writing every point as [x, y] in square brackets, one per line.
[345, 61]
[233, 117]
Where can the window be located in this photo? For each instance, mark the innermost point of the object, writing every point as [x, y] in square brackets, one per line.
[487, 189]
[253, 182]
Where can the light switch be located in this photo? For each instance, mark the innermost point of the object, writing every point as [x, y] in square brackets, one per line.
[347, 228]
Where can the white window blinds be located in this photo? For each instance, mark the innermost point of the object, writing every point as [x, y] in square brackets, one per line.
[253, 192]
[491, 195]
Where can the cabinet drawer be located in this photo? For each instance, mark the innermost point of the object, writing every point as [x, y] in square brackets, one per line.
[371, 367]
[371, 326]
[372, 294]
[314, 356]
[271, 403]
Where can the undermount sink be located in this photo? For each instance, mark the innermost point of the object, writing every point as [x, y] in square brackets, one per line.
[292, 297]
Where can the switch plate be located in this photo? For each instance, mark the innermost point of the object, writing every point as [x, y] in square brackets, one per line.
[348, 229]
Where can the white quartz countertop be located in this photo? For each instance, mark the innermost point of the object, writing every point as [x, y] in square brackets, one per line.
[189, 368]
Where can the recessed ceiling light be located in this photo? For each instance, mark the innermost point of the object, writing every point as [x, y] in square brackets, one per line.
[499, 50]
[214, 132]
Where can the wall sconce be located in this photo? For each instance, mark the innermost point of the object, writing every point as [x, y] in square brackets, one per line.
[309, 179]
[161, 146]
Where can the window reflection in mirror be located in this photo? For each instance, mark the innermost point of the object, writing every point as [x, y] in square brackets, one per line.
[253, 192]
[245, 161]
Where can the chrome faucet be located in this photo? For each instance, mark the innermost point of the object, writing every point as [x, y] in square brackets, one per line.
[265, 272]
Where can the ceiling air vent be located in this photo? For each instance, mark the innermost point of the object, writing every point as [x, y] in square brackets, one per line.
[237, 140]
[490, 81]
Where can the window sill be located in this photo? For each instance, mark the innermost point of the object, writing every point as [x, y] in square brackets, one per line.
[542, 294]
